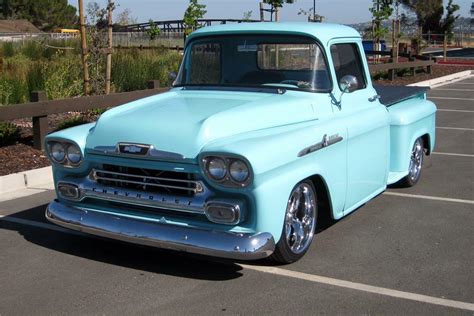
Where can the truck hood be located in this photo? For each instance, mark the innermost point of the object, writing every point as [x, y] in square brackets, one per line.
[184, 121]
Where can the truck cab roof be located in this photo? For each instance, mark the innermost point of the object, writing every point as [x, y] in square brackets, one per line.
[321, 31]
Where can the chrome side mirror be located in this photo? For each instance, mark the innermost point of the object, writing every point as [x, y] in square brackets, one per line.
[348, 84]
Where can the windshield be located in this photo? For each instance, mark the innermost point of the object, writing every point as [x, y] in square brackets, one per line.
[291, 62]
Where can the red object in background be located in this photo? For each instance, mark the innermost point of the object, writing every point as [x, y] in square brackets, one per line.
[457, 62]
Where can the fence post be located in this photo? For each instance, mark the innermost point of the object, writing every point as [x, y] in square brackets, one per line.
[445, 46]
[430, 67]
[40, 123]
[391, 74]
[154, 84]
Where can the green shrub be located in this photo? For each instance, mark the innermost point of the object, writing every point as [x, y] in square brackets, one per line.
[62, 77]
[131, 70]
[9, 134]
[97, 112]
[8, 50]
[33, 50]
[75, 121]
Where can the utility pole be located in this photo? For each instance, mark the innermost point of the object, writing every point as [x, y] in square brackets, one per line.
[108, 74]
[314, 10]
[85, 53]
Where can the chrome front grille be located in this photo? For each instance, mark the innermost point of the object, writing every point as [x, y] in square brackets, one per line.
[148, 180]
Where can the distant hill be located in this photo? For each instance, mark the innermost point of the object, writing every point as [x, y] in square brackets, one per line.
[461, 25]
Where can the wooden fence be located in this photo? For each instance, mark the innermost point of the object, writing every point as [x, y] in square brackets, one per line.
[415, 61]
[40, 107]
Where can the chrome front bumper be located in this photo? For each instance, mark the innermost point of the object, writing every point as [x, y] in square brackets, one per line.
[239, 246]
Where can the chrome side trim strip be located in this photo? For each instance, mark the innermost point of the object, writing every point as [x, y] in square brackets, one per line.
[238, 246]
[327, 141]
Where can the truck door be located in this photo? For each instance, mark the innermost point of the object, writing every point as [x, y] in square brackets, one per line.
[367, 123]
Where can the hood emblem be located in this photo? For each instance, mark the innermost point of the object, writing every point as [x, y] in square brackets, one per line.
[133, 149]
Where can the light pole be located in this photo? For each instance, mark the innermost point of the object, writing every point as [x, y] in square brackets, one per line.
[314, 10]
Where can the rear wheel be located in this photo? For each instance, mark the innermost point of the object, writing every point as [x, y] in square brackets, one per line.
[300, 224]
[416, 164]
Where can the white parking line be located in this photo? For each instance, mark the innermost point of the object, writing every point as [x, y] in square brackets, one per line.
[428, 197]
[463, 83]
[452, 154]
[362, 287]
[448, 110]
[447, 98]
[456, 128]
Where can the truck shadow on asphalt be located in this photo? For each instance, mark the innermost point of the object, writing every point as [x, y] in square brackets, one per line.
[146, 259]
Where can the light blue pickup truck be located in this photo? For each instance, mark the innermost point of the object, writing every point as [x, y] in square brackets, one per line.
[268, 128]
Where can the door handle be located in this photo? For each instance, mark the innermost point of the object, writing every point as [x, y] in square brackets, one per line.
[374, 98]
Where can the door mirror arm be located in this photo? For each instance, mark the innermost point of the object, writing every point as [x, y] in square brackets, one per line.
[347, 84]
[335, 101]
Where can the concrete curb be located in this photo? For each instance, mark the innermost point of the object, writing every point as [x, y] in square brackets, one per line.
[441, 81]
[27, 179]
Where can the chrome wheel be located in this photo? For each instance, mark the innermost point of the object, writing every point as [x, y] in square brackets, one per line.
[416, 161]
[300, 220]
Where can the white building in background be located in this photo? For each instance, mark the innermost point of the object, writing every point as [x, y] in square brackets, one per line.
[17, 30]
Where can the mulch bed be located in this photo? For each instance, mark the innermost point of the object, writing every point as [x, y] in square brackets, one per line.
[22, 156]
[438, 71]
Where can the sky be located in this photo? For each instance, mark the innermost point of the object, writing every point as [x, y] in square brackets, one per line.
[336, 11]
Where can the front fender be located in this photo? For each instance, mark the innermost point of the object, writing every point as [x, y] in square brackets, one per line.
[77, 135]
[277, 168]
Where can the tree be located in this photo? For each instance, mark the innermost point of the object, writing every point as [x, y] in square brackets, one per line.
[450, 19]
[247, 16]
[312, 17]
[125, 18]
[154, 31]
[381, 11]
[276, 5]
[194, 12]
[430, 13]
[44, 14]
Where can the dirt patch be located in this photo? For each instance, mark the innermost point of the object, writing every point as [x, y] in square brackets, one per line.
[21, 157]
[422, 75]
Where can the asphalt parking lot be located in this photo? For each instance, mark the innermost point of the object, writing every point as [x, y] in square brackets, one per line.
[408, 251]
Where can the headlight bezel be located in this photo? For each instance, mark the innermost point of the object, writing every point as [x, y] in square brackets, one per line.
[227, 181]
[51, 152]
[66, 162]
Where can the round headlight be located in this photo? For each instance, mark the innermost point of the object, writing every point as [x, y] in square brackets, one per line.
[58, 152]
[74, 154]
[217, 168]
[239, 171]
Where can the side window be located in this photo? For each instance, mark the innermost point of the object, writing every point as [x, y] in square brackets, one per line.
[347, 61]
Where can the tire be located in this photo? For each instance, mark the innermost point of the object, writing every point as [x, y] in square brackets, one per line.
[299, 225]
[416, 164]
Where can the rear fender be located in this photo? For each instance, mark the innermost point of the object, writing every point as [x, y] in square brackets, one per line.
[410, 120]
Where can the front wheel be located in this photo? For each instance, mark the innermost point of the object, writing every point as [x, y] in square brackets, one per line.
[416, 164]
[300, 224]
